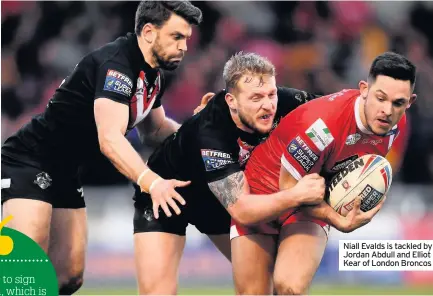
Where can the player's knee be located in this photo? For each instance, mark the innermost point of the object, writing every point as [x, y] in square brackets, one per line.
[158, 287]
[284, 287]
[70, 284]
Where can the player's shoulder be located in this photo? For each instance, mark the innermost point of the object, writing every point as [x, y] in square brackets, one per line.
[115, 51]
[215, 120]
[330, 106]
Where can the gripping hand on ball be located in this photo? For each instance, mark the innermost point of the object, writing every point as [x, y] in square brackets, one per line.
[357, 218]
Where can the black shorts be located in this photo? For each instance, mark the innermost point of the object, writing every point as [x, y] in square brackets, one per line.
[202, 209]
[54, 182]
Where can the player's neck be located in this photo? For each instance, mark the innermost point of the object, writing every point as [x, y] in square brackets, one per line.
[147, 52]
[239, 124]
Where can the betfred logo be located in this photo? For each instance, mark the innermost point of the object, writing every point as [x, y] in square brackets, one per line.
[120, 76]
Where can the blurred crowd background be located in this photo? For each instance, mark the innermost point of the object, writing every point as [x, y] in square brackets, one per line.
[321, 47]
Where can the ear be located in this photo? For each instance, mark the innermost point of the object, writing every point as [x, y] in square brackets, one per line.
[363, 88]
[148, 33]
[411, 100]
[231, 101]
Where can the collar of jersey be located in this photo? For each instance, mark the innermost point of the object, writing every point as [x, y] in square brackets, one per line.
[361, 127]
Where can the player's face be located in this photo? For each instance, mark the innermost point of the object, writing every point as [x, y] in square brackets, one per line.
[385, 101]
[170, 46]
[256, 102]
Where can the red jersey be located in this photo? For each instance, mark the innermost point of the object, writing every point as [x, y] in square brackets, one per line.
[321, 136]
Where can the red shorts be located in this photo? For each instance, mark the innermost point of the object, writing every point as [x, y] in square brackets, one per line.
[274, 227]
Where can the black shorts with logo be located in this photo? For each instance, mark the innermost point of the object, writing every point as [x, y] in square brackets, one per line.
[202, 210]
[54, 182]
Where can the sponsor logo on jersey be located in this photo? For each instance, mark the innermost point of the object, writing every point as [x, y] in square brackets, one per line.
[214, 159]
[43, 180]
[245, 150]
[332, 97]
[319, 133]
[81, 191]
[353, 139]
[343, 173]
[298, 97]
[339, 165]
[373, 142]
[302, 153]
[118, 82]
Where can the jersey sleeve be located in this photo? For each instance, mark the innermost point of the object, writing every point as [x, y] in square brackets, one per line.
[289, 99]
[220, 158]
[114, 82]
[306, 142]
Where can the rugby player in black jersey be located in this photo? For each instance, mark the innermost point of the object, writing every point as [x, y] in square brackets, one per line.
[111, 90]
[210, 150]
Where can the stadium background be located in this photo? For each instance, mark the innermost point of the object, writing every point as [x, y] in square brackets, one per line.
[321, 47]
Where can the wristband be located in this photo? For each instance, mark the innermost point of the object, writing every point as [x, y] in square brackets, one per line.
[154, 183]
[142, 175]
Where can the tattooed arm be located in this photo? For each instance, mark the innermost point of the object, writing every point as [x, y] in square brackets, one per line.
[234, 194]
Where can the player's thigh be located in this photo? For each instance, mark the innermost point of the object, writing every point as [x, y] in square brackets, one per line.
[300, 251]
[68, 241]
[31, 217]
[212, 219]
[26, 195]
[253, 258]
[158, 248]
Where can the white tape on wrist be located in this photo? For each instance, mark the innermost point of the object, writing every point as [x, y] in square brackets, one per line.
[154, 183]
[142, 175]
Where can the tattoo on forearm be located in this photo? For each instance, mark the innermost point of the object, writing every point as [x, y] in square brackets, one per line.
[228, 189]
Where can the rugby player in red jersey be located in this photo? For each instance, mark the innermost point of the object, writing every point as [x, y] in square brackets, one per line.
[321, 136]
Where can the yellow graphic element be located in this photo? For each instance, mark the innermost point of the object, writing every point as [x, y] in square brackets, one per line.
[6, 242]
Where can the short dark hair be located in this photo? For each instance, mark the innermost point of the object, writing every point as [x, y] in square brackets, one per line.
[158, 12]
[245, 63]
[393, 65]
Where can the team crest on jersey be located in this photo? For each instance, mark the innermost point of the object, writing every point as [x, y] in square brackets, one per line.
[245, 150]
[118, 82]
[319, 133]
[215, 159]
[353, 139]
[143, 100]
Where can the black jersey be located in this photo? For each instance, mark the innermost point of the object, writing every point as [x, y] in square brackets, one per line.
[116, 71]
[209, 146]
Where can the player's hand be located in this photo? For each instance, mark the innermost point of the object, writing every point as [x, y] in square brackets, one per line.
[311, 189]
[356, 218]
[204, 100]
[163, 194]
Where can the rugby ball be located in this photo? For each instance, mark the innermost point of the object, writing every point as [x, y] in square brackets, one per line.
[369, 177]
